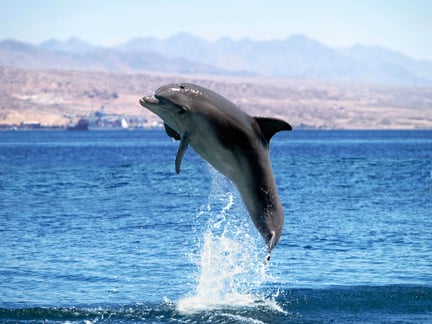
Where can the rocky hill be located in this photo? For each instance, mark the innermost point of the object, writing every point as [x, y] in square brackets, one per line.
[62, 97]
[296, 57]
[69, 55]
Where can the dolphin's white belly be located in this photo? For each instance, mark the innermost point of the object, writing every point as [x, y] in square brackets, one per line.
[219, 157]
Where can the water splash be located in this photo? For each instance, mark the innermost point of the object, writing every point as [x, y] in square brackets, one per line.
[230, 259]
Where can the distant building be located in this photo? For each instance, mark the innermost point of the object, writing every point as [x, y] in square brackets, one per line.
[83, 124]
[30, 125]
[121, 123]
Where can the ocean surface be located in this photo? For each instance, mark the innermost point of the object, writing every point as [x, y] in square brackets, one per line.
[97, 227]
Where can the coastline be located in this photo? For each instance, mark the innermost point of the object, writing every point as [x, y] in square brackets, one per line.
[53, 99]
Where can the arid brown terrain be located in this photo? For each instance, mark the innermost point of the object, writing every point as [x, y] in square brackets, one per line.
[62, 97]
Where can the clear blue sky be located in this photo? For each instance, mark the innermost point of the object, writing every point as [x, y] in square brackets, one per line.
[402, 25]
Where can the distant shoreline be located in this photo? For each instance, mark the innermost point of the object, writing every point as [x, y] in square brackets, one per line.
[60, 99]
[142, 129]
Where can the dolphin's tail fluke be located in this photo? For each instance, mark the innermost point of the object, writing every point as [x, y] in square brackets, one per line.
[270, 245]
[272, 242]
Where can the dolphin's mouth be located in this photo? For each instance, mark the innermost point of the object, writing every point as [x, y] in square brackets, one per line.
[152, 100]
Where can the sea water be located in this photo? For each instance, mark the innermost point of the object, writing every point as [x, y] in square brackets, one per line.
[97, 227]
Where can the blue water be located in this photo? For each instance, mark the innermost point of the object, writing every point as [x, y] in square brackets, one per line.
[97, 227]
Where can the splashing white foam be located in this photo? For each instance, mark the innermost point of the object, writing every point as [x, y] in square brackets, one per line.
[230, 262]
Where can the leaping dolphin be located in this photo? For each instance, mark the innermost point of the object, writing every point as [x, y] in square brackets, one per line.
[233, 142]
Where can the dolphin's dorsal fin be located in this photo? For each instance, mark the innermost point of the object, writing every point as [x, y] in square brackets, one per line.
[172, 133]
[270, 126]
[181, 150]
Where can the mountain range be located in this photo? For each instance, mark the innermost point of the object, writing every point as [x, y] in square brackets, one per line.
[296, 57]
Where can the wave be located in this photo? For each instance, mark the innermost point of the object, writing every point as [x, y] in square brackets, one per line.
[392, 303]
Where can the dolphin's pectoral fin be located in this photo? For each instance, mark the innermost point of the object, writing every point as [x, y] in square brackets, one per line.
[270, 126]
[172, 133]
[181, 151]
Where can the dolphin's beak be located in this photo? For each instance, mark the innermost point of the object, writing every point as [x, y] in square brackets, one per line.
[149, 100]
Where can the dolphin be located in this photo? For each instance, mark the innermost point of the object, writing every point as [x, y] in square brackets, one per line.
[233, 142]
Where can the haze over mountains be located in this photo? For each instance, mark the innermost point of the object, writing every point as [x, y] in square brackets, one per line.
[296, 57]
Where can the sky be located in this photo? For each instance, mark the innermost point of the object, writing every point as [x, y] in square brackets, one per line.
[401, 25]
